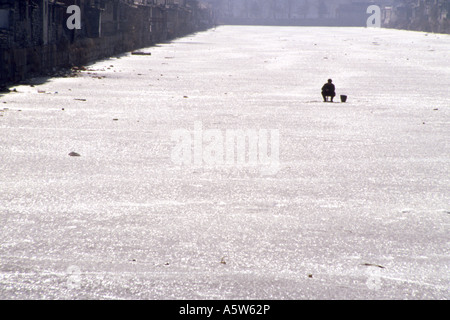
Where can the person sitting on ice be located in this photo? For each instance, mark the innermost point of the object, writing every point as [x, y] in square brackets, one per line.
[328, 90]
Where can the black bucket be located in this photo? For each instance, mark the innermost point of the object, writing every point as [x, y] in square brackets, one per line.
[343, 98]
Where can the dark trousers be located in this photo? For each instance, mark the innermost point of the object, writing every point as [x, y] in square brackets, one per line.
[325, 95]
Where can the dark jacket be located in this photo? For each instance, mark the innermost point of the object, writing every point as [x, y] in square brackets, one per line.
[328, 89]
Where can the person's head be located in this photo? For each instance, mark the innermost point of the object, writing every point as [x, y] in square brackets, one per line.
[330, 81]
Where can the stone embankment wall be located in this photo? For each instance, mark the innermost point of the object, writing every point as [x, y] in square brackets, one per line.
[418, 15]
[35, 38]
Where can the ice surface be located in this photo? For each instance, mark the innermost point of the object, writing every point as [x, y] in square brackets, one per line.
[358, 210]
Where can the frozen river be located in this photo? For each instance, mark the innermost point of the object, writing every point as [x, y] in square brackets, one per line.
[358, 207]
